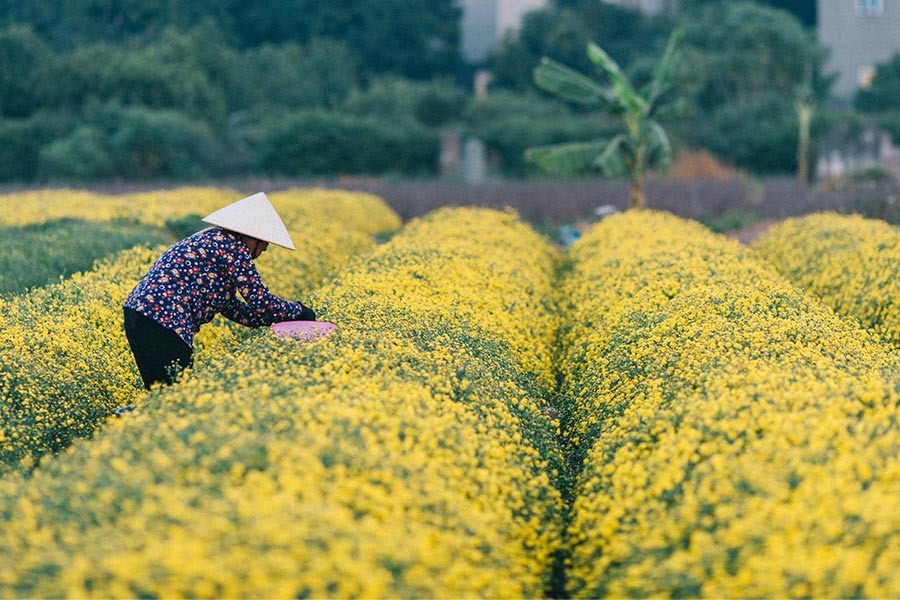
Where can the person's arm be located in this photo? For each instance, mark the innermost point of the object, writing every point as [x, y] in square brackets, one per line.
[260, 307]
[240, 312]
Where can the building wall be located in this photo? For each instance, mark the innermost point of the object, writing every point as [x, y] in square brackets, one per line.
[478, 29]
[860, 34]
[511, 12]
[485, 22]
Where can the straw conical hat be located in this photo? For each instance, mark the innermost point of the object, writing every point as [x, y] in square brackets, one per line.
[254, 216]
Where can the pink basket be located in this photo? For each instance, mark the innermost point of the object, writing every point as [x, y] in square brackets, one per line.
[303, 330]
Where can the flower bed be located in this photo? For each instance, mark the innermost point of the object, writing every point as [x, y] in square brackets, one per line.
[408, 455]
[732, 436]
[64, 360]
[851, 263]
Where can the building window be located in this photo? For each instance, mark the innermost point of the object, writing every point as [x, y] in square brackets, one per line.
[869, 8]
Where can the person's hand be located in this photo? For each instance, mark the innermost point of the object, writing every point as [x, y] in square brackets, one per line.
[308, 314]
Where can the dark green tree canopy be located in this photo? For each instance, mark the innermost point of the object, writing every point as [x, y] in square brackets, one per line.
[884, 93]
[739, 51]
[23, 55]
[413, 38]
[562, 31]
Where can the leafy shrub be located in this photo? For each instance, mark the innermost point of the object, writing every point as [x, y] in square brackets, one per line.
[23, 55]
[731, 219]
[141, 143]
[318, 74]
[83, 155]
[509, 123]
[21, 141]
[319, 143]
[759, 136]
[432, 104]
[166, 74]
[164, 144]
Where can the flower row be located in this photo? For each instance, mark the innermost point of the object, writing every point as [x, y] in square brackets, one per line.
[732, 437]
[64, 361]
[160, 207]
[409, 455]
[851, 263]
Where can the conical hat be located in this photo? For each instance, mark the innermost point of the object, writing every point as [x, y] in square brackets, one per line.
[254, 216]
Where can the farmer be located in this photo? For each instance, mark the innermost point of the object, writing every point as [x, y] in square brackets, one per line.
[198, 278]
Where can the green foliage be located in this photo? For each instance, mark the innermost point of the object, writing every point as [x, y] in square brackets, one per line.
[23, 54]
[152, 144]
[21, 141]
[290, 76]
[319, 143]
[731, 219]
[890, 122]
[186, 226]
[884, 93]
[36, 255]
[561, 32]
[509, 124]
[432, 104]
[643, 143]
[166, 74]
[739, 51]
[413, 38]
[84, 155]
[745, 67]
[806, 11]
[134, 143]
[758, 136]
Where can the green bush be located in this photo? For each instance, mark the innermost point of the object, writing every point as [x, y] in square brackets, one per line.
[83, 155]
[167, 74]
[35, 255]
[759, 136]
[318, 74]
[508, 123]
[21, 141]
[148, 144]
[322, 143]
[432, 104]
[23, 54]
[884, 92]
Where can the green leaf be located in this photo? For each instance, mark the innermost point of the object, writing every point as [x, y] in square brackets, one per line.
[571, 85]
[625, 92]
[610, 160]
[662, 74]
[660, 142]
[566, 159]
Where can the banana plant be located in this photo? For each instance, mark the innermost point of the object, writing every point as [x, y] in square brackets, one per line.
[642, 144]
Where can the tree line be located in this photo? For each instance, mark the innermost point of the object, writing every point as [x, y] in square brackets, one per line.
[187, 89]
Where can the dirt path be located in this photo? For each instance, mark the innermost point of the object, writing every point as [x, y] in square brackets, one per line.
[748, 234]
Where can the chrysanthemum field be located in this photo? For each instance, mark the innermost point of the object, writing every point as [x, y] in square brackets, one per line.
[654, 412]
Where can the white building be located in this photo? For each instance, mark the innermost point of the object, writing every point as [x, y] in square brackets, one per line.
[485, 22]
[859, 34]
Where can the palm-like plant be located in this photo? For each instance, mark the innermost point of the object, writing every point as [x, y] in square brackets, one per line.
[642, 144]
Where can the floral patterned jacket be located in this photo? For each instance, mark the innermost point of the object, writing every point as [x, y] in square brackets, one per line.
[198, 278]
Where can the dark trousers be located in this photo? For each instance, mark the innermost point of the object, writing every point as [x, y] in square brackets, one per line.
[159, 353]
